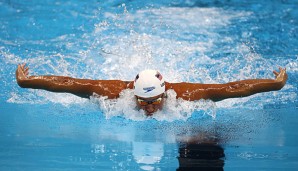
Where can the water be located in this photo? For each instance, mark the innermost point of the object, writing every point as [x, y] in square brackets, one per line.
[193, 41]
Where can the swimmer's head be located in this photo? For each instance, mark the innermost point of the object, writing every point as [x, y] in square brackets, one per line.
[149, 83]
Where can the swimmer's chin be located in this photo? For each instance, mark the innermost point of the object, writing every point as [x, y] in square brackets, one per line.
[149, 114]
[146, 113]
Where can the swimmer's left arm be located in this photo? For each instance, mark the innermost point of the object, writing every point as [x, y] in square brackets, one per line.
[249, 87]
[243, 88]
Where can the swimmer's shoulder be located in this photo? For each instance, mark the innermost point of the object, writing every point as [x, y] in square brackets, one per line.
[129, 84]
[179, 85]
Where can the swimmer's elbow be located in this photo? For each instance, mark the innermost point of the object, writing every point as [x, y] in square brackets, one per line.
[230, 91]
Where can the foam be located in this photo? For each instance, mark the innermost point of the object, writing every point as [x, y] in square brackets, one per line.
[43, 97]
[174, 109]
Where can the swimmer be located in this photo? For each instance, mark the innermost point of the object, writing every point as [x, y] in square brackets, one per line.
[150, 87]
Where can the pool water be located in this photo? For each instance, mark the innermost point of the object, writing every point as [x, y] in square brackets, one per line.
[192, 41]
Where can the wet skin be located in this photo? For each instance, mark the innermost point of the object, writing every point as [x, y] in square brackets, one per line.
[150, 109]
[186, 91]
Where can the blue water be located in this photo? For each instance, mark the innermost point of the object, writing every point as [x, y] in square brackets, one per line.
[194, 41]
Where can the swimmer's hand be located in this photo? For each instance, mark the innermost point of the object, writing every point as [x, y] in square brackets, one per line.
[22, 73]
[281, 76]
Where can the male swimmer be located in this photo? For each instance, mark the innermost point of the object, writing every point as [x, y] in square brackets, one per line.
[150, 87]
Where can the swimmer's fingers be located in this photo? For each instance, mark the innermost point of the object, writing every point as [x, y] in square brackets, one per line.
[281, 75]
[20, 68]
[22, 71]
[26, 71]
[281, 70]
[24, 66]
[275, 73]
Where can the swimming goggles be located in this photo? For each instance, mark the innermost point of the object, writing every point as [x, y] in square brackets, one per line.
[145, 102]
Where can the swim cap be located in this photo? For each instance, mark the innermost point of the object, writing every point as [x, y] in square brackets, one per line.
[149, 83]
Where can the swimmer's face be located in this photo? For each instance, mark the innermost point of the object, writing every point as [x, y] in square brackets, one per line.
[150, 105]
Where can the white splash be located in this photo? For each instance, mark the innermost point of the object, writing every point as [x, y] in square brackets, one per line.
[174, 109]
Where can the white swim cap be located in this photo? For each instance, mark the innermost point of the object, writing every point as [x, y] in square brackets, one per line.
[149, 83]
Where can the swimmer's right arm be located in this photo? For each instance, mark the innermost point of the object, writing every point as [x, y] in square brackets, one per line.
[80, 87]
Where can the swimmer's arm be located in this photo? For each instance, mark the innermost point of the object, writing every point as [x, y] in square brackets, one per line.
[80, 87]
[243, 88]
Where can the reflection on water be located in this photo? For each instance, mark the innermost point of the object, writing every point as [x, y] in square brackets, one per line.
[156, 146]
[147, 153]
[201, 156]
[201, 152]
